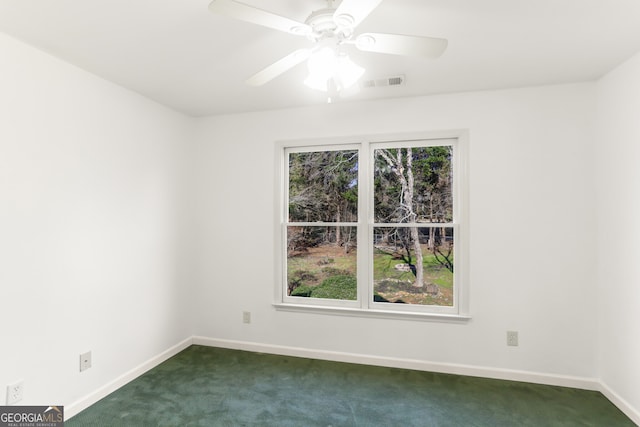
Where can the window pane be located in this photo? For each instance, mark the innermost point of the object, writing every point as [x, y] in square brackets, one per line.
[323, 186]
[321, 262]
[397, 276]
[413, 185]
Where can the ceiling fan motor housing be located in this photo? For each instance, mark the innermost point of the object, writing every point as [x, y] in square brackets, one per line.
[324, 25]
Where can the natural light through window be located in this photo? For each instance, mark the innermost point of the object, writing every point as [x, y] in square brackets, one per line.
[375, 227]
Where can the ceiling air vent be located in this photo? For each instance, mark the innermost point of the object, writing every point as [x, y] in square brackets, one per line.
[387, 81]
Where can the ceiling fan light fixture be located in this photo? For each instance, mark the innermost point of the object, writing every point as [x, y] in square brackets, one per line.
[348, 72]
[328, 67]
[316, 83]
[321, 65]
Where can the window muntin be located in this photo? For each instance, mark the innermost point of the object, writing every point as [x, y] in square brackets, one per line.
[380, 259]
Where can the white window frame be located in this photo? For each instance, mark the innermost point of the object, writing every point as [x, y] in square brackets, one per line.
[364, 305]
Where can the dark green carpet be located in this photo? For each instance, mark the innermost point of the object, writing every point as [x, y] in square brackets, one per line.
[204, 386]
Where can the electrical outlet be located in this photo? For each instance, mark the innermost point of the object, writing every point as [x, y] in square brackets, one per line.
[246, 317]
[85, 361]
[15, 392]
[512, 338]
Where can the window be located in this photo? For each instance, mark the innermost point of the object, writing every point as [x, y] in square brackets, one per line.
[373, 226]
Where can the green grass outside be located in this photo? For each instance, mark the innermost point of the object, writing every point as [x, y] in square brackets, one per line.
[329, 272]
[384, 269]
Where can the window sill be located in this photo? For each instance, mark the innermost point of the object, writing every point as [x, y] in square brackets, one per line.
[372, 313]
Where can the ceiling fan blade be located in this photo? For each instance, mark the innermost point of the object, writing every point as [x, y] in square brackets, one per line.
[279, 67]
[397, 44]
[254, 15]
[355, 11]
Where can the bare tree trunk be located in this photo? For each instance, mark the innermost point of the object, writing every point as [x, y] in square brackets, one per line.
[347, 242]
[432, 238]
[415, 234]
[407, 185]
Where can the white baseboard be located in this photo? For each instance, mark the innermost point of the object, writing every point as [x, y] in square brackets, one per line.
[620, 403]
[419, 365]
[90, 399]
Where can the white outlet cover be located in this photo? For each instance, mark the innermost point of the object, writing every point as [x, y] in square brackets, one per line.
[14, 392]
[85, 361]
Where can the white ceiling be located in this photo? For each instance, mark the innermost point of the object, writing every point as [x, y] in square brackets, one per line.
[179, 54]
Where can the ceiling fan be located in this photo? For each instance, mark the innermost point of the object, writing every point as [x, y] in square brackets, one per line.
[331, 29]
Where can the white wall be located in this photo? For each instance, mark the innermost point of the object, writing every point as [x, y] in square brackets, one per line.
[618, 182]
[92, 181]
[532, 221]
